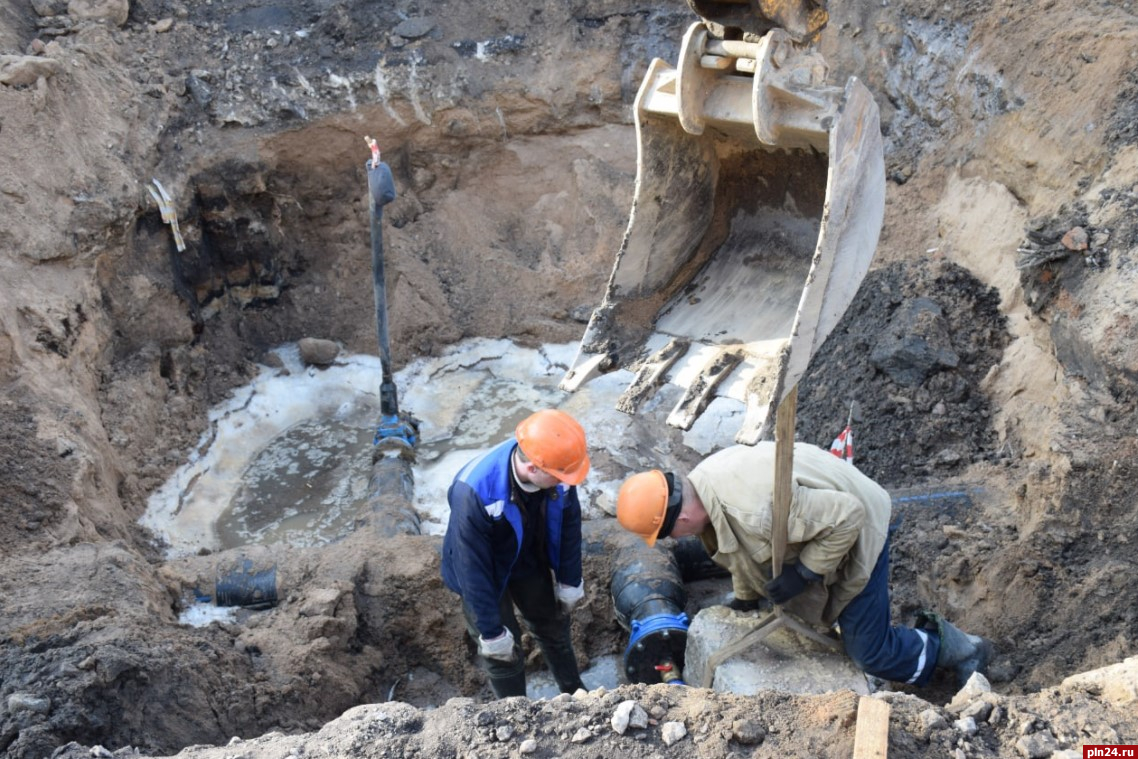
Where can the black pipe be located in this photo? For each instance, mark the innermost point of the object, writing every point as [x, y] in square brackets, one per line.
[391, 492]
[246, 586]
[649, 598]
[381, 191]
[693, 561]
[401, 430]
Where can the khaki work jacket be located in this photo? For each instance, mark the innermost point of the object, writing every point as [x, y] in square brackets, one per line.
[837, 527]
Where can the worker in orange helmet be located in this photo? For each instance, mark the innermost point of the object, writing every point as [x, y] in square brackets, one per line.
[837, 552]
[514, 540]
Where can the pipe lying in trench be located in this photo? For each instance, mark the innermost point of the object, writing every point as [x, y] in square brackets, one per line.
[649, 598]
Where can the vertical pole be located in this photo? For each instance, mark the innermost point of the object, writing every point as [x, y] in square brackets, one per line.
[381, 191]
[783, 477]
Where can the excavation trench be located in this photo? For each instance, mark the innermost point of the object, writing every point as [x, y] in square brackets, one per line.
[272, 497]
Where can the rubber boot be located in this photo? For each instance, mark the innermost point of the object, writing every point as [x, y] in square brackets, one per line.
[505, 686]
[959, 651]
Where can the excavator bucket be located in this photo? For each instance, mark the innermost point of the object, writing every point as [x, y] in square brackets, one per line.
[760, 192]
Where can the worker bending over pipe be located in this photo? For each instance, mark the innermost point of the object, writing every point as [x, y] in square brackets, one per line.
[837, 551]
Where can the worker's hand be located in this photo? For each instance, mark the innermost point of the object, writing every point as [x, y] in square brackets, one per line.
[789, 583]
[500, 648]
[569, 595]
[743, 604]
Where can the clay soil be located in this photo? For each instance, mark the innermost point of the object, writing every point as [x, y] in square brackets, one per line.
[983, 357]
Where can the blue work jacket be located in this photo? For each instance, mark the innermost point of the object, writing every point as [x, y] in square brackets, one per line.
[475, 564]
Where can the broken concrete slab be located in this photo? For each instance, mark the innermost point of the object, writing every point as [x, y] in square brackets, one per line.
[1117, 683]
[784, 660]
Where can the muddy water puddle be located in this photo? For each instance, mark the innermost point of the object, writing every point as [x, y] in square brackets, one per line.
[288, 458]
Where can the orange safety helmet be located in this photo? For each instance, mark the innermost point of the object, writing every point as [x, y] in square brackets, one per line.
[555, 443]
[642, 504]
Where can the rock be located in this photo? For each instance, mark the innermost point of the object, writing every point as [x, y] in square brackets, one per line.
[671, 732]
[21, 70]
[114, 12]
[317, 352]
[976, 686]
[162, 25]
[915, 343]
[966, 725]
[1075, 239]
[504, 732]
[1037, 745]
[414, 28]
[978, 710]
[583, 734]
[748, 732]
[628, 714]
[931, 719]
[28, 702]
[528, 746]
[1117, 683]
[49, 8]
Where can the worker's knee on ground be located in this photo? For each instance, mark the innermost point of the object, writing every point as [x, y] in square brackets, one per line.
[870, 656]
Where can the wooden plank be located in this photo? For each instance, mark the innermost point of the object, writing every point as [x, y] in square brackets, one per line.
[871, 738]
[783, 476]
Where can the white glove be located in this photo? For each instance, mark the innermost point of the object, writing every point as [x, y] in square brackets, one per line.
[569, 595]
[500, 648]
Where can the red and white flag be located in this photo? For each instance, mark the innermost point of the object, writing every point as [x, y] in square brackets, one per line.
[842, 447]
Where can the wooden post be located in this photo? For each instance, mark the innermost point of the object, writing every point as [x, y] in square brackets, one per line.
[783, 477]
[871, 737]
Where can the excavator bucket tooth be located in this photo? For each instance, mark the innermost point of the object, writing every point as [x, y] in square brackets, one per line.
[651, 375]
[701, 389]
[760, 192]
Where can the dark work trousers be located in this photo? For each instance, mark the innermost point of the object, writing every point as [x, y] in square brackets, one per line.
[881, 649]
[533, 596]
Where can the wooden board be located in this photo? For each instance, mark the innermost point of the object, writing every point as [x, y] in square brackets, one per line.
[871, 739]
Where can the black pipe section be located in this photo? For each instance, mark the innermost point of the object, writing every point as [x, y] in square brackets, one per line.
[391, 491]
[693, 561]
[649, 598]
[403, 429]
[381, 191]
[246, 586]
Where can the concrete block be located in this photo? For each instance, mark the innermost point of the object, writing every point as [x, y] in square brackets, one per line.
[784, 660]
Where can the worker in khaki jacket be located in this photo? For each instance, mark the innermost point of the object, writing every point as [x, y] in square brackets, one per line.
[837, 554]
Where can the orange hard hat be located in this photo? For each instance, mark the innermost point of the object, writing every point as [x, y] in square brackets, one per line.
[642, 504]
[555, 443]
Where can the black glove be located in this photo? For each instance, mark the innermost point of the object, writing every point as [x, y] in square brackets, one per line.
[738, 604]
[789, 583]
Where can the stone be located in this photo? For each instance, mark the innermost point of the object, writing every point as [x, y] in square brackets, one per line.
[28, 702]
[414, 28]
[628, 714]
[1037, 745]
[931, 720]
[22, 70]
[114, 12]
[317, 352]
[915, 343]
[1117, 683]
[748, 732]
[671, 732]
